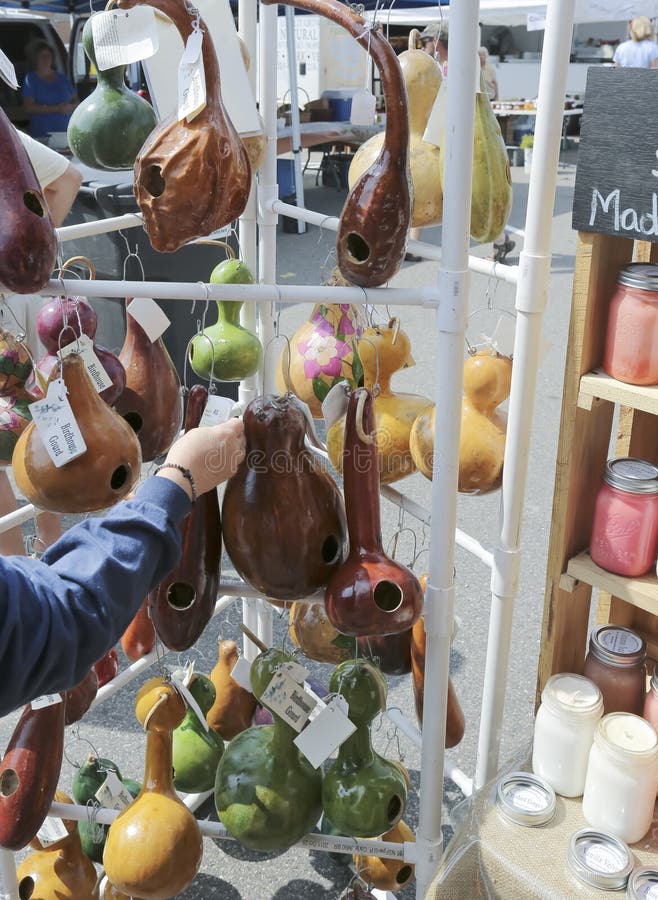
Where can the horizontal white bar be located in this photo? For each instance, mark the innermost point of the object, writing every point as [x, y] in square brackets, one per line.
[99, 226]
[461, 779]
[18, 517]
[242, 589]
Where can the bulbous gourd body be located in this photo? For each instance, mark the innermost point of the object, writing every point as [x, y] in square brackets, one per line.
[233, 707]
[139, 637]
[388, 874]
[196, 752]
[313, 633]
[390, 652]
[15, 398]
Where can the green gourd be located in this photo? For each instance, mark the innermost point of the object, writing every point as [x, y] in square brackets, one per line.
[108, 128]
[363, 794]
[92, 835]
[90, 776]
[196, 752]
[227, 350]
[267, 794]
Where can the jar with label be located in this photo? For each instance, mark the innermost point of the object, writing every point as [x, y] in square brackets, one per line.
[600, 860]
[570, 709]
[616, 664]
[625, 529]
[622, 777]
[650, 712]
[631, 344]
[525, 799]
[643, 884]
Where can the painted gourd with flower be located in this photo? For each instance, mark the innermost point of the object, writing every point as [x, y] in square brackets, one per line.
[15, 369]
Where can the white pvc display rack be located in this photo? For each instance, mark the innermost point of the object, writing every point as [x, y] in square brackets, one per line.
[448, 301]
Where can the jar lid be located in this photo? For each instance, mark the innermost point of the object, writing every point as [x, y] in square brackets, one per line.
[525, 799]
[600, 859]
[573, 694]
[629, 735]
[617, 646]
[639, 275]
[629, 474]
[643, 884]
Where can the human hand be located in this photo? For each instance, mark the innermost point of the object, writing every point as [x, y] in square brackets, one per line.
[211, 454]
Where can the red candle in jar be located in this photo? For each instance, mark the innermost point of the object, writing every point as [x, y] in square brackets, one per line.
[625, 530]
[631, 346]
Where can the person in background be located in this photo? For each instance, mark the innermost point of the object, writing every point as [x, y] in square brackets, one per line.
[49, 97]
[641, 51]
[488, 74]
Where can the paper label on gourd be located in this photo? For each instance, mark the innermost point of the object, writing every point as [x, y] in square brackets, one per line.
[436, 124]
[218, 409]
[52, 831]
[334, 405]
[325, 733]
[189, 699]
[311, 431]
[241, 673]
[363, 109]
[191, 79]
[124, 36]
[46, 700]
[288, 700]
[149, 316]
[7, 71]
[54, 420]
[85, 347]
[113, 794]
[297, 673]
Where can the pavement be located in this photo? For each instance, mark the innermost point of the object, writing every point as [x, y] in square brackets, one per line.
[229, 872]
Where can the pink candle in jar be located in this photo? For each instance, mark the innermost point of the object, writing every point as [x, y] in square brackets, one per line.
[625, 530]
[631, 343]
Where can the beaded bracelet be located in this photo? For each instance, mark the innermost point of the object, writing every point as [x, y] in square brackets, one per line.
[184, 472]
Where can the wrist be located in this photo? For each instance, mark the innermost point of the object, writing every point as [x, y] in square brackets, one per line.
[177, 478]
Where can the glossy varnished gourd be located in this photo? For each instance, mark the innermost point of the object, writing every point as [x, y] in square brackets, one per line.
[182, 604]
[139, 637]
[196, 751]
[15, 398]
[102, 475]
[372, 232]
[370, 594]
[313, 633]
[28, 244]
[151, 402]
[79, 698]
[191, 178]
[233, 707]
[384, 873]
[153, 848]
[281, 489]
[391, 652]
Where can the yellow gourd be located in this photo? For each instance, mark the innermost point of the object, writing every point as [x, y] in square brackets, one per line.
[387, 874]
[487, 382]
[422, 78]
[313, 633]
[383, 350]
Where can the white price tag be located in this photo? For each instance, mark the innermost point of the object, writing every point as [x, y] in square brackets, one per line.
[363, 108]
[536, 21]
[52, 831]
[334, 405]
[241, 673]
[7, 71]
[149, 316]
[55, 422]
[218, 410]
[178, 683]
[46, 700]
[113, 794]
[85, 346]
[288, 700]
[325, 733]
[297, 673]
[124, 36]
[436, 124]
[191, 79]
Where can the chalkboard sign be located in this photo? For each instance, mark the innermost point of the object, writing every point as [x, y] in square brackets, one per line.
[616, 188]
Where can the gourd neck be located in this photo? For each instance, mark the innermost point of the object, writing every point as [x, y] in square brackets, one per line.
[356, 752]
[112, 78]
[282, 736]
[158, 767]
[361, 479]
[228, 311]
[384, 382]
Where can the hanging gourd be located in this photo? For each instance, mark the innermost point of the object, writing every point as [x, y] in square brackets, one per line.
[154, 846]
[107, 130]
[15, 399]
[370, 594]
[139, 637]
[28, 243]
[388, 874]
[313, 633]
[363, 794]
[422, 78]
[233, 707]
[487, 383]
[267, 793]
[109, 892]
[322, 352]
[107, 667]
[226, 350]
[152, 402]
[79, 698]
[191, 177]
[102, 475]
[87, 780]
[390, 652]
[281, 489]
[373, 226]
[196, 752]
[58, 870]
[384, 350]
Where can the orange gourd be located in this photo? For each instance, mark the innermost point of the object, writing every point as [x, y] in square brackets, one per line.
[388, 874]
[234, 707]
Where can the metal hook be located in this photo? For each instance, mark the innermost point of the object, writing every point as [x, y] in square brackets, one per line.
[395, 538]
[375, 388]
[77, 740]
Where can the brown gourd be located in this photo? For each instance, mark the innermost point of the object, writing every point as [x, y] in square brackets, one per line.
[234, 707]
[79, 698]
[384, 873]
[139, 637]
[109, 892]
[151, 402]
[154, 846]
[15, 398]
[191, 178]
[102, 475]
[313, 633]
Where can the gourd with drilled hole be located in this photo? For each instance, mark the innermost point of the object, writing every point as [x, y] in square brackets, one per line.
[196, 751]
[384, 350]
[487, 382]
[15, 398]
[313, 633]
[422, 78]
[154, 846]
[267, 793]
[102, 475]
[388, 874]
[363, 794]
[107, 130]
[58, 870]
[139, 637]
[233, 707]
[226, 350]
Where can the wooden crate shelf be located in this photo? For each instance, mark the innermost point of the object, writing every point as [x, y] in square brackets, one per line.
[639, 592]
[598, 385]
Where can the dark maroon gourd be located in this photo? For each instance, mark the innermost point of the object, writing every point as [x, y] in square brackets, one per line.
[110, 362]
[79, 698]
[372, 232]
[50, 321]
[370, 594]
[182, 604]
[391, 652]
[283, 517]
[28, 244]
[29, 773]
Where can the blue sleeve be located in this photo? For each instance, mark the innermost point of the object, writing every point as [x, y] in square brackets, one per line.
[68, 90]
[28, 91]
[60, 614]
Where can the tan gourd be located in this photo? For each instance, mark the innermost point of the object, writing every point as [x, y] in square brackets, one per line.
[388, 874]
[383, 350]
[59, 871]
[313, 633]
[234, 707]
[109, 892]
[422, 77]
[153, 848]
[487, 382]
